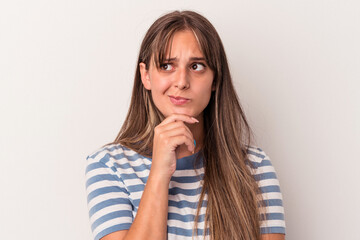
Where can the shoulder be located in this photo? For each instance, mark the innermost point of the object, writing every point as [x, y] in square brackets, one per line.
[109, 149]
[260, 165]
[111, 153]
[257, 157]
[111, 157]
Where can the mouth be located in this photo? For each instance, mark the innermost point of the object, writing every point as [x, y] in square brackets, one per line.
[177, 100]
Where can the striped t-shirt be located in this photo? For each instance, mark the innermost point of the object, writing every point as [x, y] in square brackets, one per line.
[116, 178]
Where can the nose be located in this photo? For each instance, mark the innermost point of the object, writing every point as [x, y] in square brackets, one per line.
[182, 79]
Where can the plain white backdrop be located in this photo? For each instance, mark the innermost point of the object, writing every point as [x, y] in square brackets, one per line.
[66, 71]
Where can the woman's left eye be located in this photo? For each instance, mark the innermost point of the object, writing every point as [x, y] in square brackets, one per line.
[198, 66]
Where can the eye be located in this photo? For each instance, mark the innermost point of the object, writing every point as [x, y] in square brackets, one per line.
[166, 67]
[198, 67]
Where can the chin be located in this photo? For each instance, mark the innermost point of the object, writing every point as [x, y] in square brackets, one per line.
[183, 111]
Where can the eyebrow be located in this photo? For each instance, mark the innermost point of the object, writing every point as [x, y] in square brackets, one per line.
[191, 59]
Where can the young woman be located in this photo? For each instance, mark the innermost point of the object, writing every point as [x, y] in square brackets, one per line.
[182, 165]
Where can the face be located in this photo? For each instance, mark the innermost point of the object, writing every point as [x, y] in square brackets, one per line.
[184, 82]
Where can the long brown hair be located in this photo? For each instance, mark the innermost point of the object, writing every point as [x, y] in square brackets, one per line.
[233, 199]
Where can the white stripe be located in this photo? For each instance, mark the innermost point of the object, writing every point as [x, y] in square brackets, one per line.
[268, 182]
[110, 209]
[129, 152]
[274, 209]
[105, 183]
[186, 210]
[132, 182]
[104, 197]
[96, 172]
[180, 197]
[188, 173]
[135, 163]
[145, 173]
[136, 195]
[265, 169]
[273, 223]
[272, 195]
[141, 174]
[187, 186]
[183, 225]
[123, 160]
[254, 158]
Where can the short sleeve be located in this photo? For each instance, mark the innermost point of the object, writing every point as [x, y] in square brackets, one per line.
[265, 175]
[108, 201]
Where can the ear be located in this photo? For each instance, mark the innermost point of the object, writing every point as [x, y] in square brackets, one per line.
[145, 76]
[213, 87]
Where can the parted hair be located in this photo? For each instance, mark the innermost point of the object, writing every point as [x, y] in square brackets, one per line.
[234, 205]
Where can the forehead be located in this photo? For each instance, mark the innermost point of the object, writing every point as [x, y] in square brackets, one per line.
[184, 40]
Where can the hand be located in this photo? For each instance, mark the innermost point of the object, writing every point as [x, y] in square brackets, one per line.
[168, 136]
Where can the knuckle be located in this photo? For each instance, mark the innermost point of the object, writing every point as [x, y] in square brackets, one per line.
[185, 131]
[161, 135]
[181, 124]
[156, 129]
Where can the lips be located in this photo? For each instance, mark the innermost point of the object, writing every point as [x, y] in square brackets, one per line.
[177, 100]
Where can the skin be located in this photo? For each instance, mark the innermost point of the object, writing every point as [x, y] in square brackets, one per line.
[186, 77]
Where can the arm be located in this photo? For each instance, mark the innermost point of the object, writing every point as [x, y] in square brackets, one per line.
[151, 219]
[273, 236]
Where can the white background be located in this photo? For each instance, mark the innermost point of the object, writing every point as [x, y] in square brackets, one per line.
[67, 67]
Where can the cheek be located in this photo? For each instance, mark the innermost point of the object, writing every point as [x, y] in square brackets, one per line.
[205, 92]
[204, 86]
[159, 85]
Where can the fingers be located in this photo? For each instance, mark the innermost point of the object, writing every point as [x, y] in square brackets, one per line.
[178, 117]
[176, 134]
[182, 139]
[174, 127]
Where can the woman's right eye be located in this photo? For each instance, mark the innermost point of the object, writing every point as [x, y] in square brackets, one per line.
[166, 67]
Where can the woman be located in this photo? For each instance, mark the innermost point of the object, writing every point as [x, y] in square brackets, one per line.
[182, 161]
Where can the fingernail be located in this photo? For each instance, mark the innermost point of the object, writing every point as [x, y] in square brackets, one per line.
[195, 119]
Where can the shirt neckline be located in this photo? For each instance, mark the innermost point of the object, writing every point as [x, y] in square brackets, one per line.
[187, 163]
